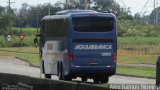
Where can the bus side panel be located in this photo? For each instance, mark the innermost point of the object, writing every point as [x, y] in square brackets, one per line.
[53, 42]
[66, 64]
[52, 53]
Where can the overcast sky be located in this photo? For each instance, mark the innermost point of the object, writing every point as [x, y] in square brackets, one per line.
[135, 5]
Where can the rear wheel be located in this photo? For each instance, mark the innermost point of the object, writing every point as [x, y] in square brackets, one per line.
[67, 78]
[61, 75]
[60, 72]
[99, 80]
[158, 72]
[84, 79]
[48, 76]
[104, 80]
[96, 80]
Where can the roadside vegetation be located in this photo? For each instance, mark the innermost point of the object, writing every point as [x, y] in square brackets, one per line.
[131, 50]
[31, 54]
[25, 53]
[138, 50]
[145, 72]
[16, 42]
[138, 38]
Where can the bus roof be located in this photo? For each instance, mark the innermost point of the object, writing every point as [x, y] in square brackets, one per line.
[48, 17]
[67, 13]
[74, 11]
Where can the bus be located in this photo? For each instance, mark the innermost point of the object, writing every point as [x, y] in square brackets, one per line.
[78, 43]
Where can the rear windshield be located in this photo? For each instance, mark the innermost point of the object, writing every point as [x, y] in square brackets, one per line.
[93, 24]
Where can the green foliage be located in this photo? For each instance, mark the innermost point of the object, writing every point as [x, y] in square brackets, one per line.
[101, 6]
[16, 42]
[4, 19]
[28, 14]
[152, 16]
[3, 23]
[137, 71]
[139, 45]
[26, 31]
[125, 57]
[26, 53]
[137, 28]
[33, 58]
[139, 40]
[31, 54]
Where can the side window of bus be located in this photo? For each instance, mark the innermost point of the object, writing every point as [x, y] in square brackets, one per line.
[46, 30]
[54, 28]
[60, 28]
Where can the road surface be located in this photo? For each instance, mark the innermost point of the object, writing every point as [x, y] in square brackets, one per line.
[16, 66]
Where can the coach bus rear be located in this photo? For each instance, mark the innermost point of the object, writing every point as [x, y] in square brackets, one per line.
[78, 43]
[92, 46]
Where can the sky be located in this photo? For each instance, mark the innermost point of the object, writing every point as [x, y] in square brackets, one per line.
[135, 5]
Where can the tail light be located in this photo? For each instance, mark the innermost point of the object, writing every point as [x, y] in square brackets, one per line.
[115, 57]
[70, 56]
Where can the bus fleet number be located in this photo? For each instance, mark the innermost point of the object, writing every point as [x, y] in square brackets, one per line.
[105, 54]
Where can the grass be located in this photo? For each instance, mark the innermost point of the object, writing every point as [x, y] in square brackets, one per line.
[33, 58]
[26, 53]
[138, 50]
[16, 42]
[138, 40]
[145, 45]
[136, 28]
[137, 71]
[129, 58]
[21, 49]
[31, 54]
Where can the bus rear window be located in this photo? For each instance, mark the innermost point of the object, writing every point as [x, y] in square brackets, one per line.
[93, 24]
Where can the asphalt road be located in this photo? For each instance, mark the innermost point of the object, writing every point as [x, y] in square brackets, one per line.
[16, 66]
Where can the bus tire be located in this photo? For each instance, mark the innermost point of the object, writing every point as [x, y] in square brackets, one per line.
[61, 75]
[84, 79]
[58, 68]
[96, 80]
[60, 72]
[67, 78]
[104, 80]
[158, 72]
[48, 76]
[42, 66]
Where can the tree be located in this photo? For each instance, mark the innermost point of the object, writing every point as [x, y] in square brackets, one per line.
[153, 16]
[4, 22]
[101, 6]
[22, 16]
[29, 14]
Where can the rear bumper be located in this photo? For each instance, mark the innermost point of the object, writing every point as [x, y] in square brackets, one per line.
[92, 70]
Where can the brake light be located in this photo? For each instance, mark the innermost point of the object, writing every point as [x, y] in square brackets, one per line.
[70, 56]
[115, 57]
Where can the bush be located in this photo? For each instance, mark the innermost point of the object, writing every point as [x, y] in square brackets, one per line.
[16, 42]
[137, 28]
